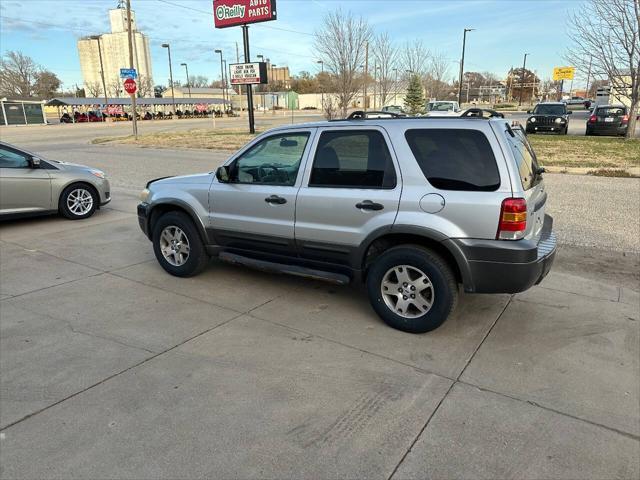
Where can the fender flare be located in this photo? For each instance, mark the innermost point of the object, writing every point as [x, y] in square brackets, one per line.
[182, 205]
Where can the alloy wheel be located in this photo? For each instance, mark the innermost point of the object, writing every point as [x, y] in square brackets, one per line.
[174, 245]
[407, 291]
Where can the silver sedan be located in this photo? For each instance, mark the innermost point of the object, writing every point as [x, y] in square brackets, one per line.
[30, 185]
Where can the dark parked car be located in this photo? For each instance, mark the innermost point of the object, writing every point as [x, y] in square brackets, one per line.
[549, 117]
[608, 120]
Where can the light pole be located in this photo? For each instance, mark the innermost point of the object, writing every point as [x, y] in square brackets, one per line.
[224, 99]
[173, 96]
[464, 43]
[524, 64]
[225, 78]
[188, 83]
[321, 86]
[395, 90]
[104, 84]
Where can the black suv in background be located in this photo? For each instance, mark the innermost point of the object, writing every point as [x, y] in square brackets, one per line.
[608, 120]
[549, 117]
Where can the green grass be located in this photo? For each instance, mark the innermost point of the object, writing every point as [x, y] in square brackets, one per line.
[197, 138]
[586, 152]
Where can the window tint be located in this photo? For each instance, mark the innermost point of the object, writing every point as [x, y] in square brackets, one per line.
[353, 159]
[274, 160]
[455, 159]
[611, 111]
[550, 110]
[525, 158]
[11, 159]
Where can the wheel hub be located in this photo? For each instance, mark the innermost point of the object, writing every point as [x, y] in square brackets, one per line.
[407, 291]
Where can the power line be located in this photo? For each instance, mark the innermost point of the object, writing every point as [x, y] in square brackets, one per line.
[164, 39]
[260, 26]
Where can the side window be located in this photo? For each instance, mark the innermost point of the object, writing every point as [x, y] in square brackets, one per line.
[352, 159]
[455, 159]
[273, 161]
[11, 159]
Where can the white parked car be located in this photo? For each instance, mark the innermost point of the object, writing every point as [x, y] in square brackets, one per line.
[443, 107]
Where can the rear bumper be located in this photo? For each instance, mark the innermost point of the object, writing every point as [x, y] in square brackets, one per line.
[607, 130]
[500, 266]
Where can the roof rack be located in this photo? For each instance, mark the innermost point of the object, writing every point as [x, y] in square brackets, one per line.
[479, 112]
[362, 115]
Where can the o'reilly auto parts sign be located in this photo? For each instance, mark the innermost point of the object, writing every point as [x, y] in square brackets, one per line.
[248, 73]
[230, 13]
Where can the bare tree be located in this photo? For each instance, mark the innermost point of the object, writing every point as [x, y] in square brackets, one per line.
[435, 79]
[414, 56]
[114, 87]
[145, 86]
[199, 81]
[340, 42]
[606, 37]
[18, 74]
[386, 56]
[94, 89]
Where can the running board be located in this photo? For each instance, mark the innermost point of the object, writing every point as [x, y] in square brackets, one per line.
[273, 267]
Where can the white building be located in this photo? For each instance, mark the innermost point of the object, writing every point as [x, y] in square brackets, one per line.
[114, 47]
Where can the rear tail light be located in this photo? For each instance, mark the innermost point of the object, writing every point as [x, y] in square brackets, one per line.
[592, 119]
[625, 119]
[513, 219]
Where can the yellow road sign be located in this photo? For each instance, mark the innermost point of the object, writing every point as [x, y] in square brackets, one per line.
[563, 73]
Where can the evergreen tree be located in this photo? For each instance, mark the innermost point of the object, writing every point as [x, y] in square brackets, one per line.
[414, 99]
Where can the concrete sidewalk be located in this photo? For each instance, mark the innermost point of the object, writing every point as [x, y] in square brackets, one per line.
[110, 368]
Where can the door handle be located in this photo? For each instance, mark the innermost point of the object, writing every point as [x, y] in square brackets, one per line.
[369, 205]
[275, 199]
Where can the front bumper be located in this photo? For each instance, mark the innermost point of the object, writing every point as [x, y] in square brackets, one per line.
[143, 218]
[556, 128]
[501, 266]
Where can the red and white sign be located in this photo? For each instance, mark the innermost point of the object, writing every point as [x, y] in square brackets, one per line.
[230, 13]
[114, 110]
[248, 73]
[130, 86]
[201, 107]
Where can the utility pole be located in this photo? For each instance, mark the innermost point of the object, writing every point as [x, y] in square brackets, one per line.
[186, 67]
[524, 64]
[173, 97]
[366, 74]
[395, 92]
[104, 84]
[238, 54]
[464, 44]
[249, 90]
[588, 76]
[375, 82]
[224, 99]
[133, 95]
[321, 86]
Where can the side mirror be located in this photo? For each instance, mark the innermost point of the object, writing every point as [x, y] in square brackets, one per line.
[222, 174]
[35, 162]
[569, 112]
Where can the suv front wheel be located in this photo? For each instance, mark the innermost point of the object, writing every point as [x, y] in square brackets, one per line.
[177, 245]
[412, 288]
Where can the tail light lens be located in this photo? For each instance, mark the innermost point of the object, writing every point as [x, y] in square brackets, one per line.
[513, 219]
[592, 119]
[625, 119]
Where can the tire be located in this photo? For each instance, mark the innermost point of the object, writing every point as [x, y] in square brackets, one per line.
[78, 201]
[587, 133]
[178, 227]
[442, 292]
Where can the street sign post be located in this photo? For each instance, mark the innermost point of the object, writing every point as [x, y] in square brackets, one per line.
[253, 73]
[231, 13]
[130, 86]
[128, 73]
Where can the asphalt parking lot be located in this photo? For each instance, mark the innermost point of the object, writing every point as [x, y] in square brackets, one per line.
[110, 368]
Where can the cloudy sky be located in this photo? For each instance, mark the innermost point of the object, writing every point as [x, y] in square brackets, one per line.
[47, 30]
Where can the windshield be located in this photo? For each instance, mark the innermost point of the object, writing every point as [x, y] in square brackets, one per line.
[525, 158]
[439, 106]
[549, 110]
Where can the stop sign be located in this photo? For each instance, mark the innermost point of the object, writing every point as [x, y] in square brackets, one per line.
[130, 86]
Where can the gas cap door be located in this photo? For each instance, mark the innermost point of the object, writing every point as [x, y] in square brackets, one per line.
[432, 203]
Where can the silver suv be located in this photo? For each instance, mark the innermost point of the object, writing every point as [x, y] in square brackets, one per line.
[412, 207]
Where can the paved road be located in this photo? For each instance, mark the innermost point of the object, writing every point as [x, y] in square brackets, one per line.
[110, 368]
[589, 211]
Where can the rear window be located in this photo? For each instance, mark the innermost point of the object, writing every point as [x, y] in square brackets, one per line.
[611, 111]
[455, 159]
[525, 158]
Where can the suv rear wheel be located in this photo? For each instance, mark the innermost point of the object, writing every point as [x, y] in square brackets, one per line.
[177, 245]
[412, 288]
